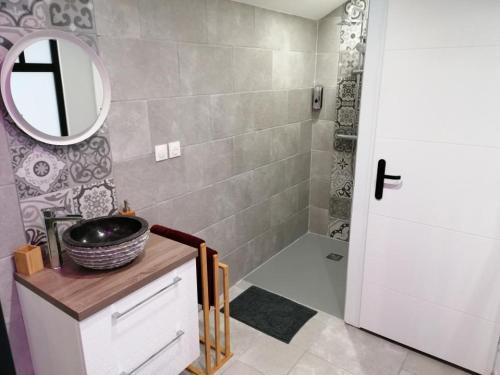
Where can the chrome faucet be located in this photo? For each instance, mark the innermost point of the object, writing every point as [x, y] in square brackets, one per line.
[53, 249]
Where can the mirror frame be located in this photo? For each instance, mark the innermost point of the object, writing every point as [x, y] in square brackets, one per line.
[5, 87]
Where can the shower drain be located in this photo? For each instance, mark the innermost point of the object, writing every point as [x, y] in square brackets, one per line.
[334, 257]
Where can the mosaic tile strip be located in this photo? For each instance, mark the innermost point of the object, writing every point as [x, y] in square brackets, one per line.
[23, 13]
[32, 216]
[90, 160]
[96, 199]
[72, 15]
[352, 37]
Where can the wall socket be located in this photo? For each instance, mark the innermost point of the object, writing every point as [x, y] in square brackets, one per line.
[174, 149]
[161, 152]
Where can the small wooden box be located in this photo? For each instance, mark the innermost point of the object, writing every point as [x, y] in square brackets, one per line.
[28, 259]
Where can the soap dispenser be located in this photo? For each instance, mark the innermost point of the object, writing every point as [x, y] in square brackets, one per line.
[126, 211]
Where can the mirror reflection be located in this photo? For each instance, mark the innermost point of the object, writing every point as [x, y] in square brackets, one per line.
[57, 88]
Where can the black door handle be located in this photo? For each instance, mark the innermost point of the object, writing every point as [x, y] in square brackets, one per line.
[381, 177]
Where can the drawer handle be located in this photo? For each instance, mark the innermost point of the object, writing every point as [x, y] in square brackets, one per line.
[149, 359]
[118, 315]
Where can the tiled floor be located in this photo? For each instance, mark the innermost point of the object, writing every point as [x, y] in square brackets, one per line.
[302, 273]
[324, 346]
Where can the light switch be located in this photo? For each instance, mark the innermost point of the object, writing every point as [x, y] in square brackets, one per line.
[161, 152]
[174, 149]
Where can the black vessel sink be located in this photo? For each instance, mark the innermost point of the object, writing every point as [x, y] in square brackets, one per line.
[106, 242]
[105, 231]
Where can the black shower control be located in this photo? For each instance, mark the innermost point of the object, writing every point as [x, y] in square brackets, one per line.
[381, 177]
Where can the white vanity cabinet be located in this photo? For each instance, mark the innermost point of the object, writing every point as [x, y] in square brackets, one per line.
[152, 330]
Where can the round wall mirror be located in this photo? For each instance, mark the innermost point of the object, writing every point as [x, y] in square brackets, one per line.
[55, 87]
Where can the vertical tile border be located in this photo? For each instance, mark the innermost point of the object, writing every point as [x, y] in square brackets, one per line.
[347, 114]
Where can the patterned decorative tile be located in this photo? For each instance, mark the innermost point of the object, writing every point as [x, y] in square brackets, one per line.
[72, 15]
[39, 169]
[96, 199]
[8, 36]
[90, 160]
[340, 207]
[344, 190]
[32, 216]
[344, 145]
[23, 13]
[339, 229]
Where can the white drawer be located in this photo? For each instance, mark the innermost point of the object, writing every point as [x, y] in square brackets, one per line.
[141, 329]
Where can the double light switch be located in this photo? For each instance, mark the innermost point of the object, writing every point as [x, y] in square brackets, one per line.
[167, 151]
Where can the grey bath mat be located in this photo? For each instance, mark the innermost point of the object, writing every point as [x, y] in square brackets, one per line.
[274, 315]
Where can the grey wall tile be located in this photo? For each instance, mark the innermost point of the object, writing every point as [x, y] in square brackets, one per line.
[129, 130]
[302, 34]
[296, 226]
[321, 164]
[230, 22]
[322, 135]
[253, 69]
[252, 221]
[241, 261]
[302, 68]
[208, 163]
[136, 182]
[267, 244]
[184, 119]
[326, 69]
[318, 220]
[252, 150]
[299, 105]
[328, 34]
[190, 213]
[285, 141]
[297, 169]
[271, 109]
[220, 236]
[280, 31]
[320, 193]
[171, 178]
[125, 59]
[205, 70]
[234, 194]
[270, 29]
[117, 18]
[6, 172]
[179, 20]
[144, 182]
[150, 214]
[284, 205]
[306, 136]
[269, 180]
[11, 227]
[232, 114]
[304, 191]
[292, 70]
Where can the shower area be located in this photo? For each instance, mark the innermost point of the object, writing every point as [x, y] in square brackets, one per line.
[313, 270]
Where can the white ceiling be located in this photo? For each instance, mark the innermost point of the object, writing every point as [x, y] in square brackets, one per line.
[313, 9]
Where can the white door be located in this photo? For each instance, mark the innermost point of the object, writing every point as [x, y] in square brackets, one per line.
[432, 263]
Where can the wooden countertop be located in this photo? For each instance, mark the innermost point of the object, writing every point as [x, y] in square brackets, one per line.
[81, 292]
